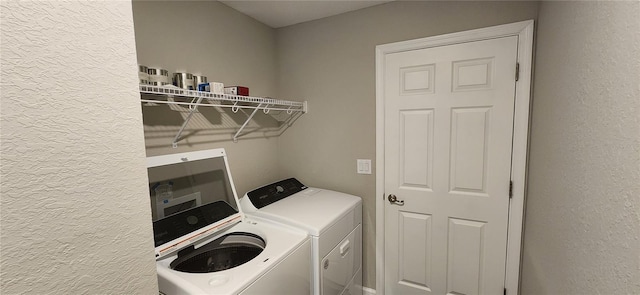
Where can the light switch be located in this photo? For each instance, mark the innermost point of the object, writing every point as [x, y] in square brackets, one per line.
[364, 166]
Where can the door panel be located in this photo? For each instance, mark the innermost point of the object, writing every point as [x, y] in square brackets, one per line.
[416, 140]
[466, 240]
[448, 134]
[415, 247]
[469, 149]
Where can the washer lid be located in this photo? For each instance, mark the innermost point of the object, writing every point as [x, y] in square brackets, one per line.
[192, 196]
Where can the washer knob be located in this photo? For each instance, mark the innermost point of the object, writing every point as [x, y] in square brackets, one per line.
[191, 220]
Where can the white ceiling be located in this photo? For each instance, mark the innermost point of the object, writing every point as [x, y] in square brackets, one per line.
[278, 14]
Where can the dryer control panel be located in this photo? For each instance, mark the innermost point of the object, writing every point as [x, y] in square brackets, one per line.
[274, 192]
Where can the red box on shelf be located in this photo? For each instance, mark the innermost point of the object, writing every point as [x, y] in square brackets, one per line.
[237, 90]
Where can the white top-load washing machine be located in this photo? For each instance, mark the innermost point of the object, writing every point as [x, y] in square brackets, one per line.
[333, 220]
[203, 242]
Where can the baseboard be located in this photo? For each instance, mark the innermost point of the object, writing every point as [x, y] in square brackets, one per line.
[368, 291]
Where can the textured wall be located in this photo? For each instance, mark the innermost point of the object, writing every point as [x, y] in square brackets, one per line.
[331, 62]
[582, 231]
[226, 46]
[74, 214]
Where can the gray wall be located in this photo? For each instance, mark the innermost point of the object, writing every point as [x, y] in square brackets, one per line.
[331, 63]
[74, 218]
[209, 38]
[582, 231]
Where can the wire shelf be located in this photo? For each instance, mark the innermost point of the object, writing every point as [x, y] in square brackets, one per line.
[213, 99]
[194, 99]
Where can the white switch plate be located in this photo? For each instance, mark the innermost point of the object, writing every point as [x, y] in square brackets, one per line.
[364, 166]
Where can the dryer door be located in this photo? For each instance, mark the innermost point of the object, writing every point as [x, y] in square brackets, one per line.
[341, 264]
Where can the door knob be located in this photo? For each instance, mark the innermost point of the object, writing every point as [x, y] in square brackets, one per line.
[394, 200]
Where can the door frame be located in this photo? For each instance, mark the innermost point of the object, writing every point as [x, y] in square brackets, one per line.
[524, 30]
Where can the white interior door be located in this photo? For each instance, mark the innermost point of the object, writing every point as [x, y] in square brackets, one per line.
[448, 123]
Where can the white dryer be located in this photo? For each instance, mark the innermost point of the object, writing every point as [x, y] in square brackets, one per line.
[334, 221]
[203, 242]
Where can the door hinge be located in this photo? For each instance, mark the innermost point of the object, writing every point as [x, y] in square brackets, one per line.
[517, 71]
[510, 189]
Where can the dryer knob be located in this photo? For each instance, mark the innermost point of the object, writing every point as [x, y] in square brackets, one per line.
[326, 264]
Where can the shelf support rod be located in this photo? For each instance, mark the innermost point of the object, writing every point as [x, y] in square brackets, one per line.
[235, 137]
[192, 109]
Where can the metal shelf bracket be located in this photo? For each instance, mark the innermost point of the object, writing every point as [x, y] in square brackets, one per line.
[192, 109]
[235, 137]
